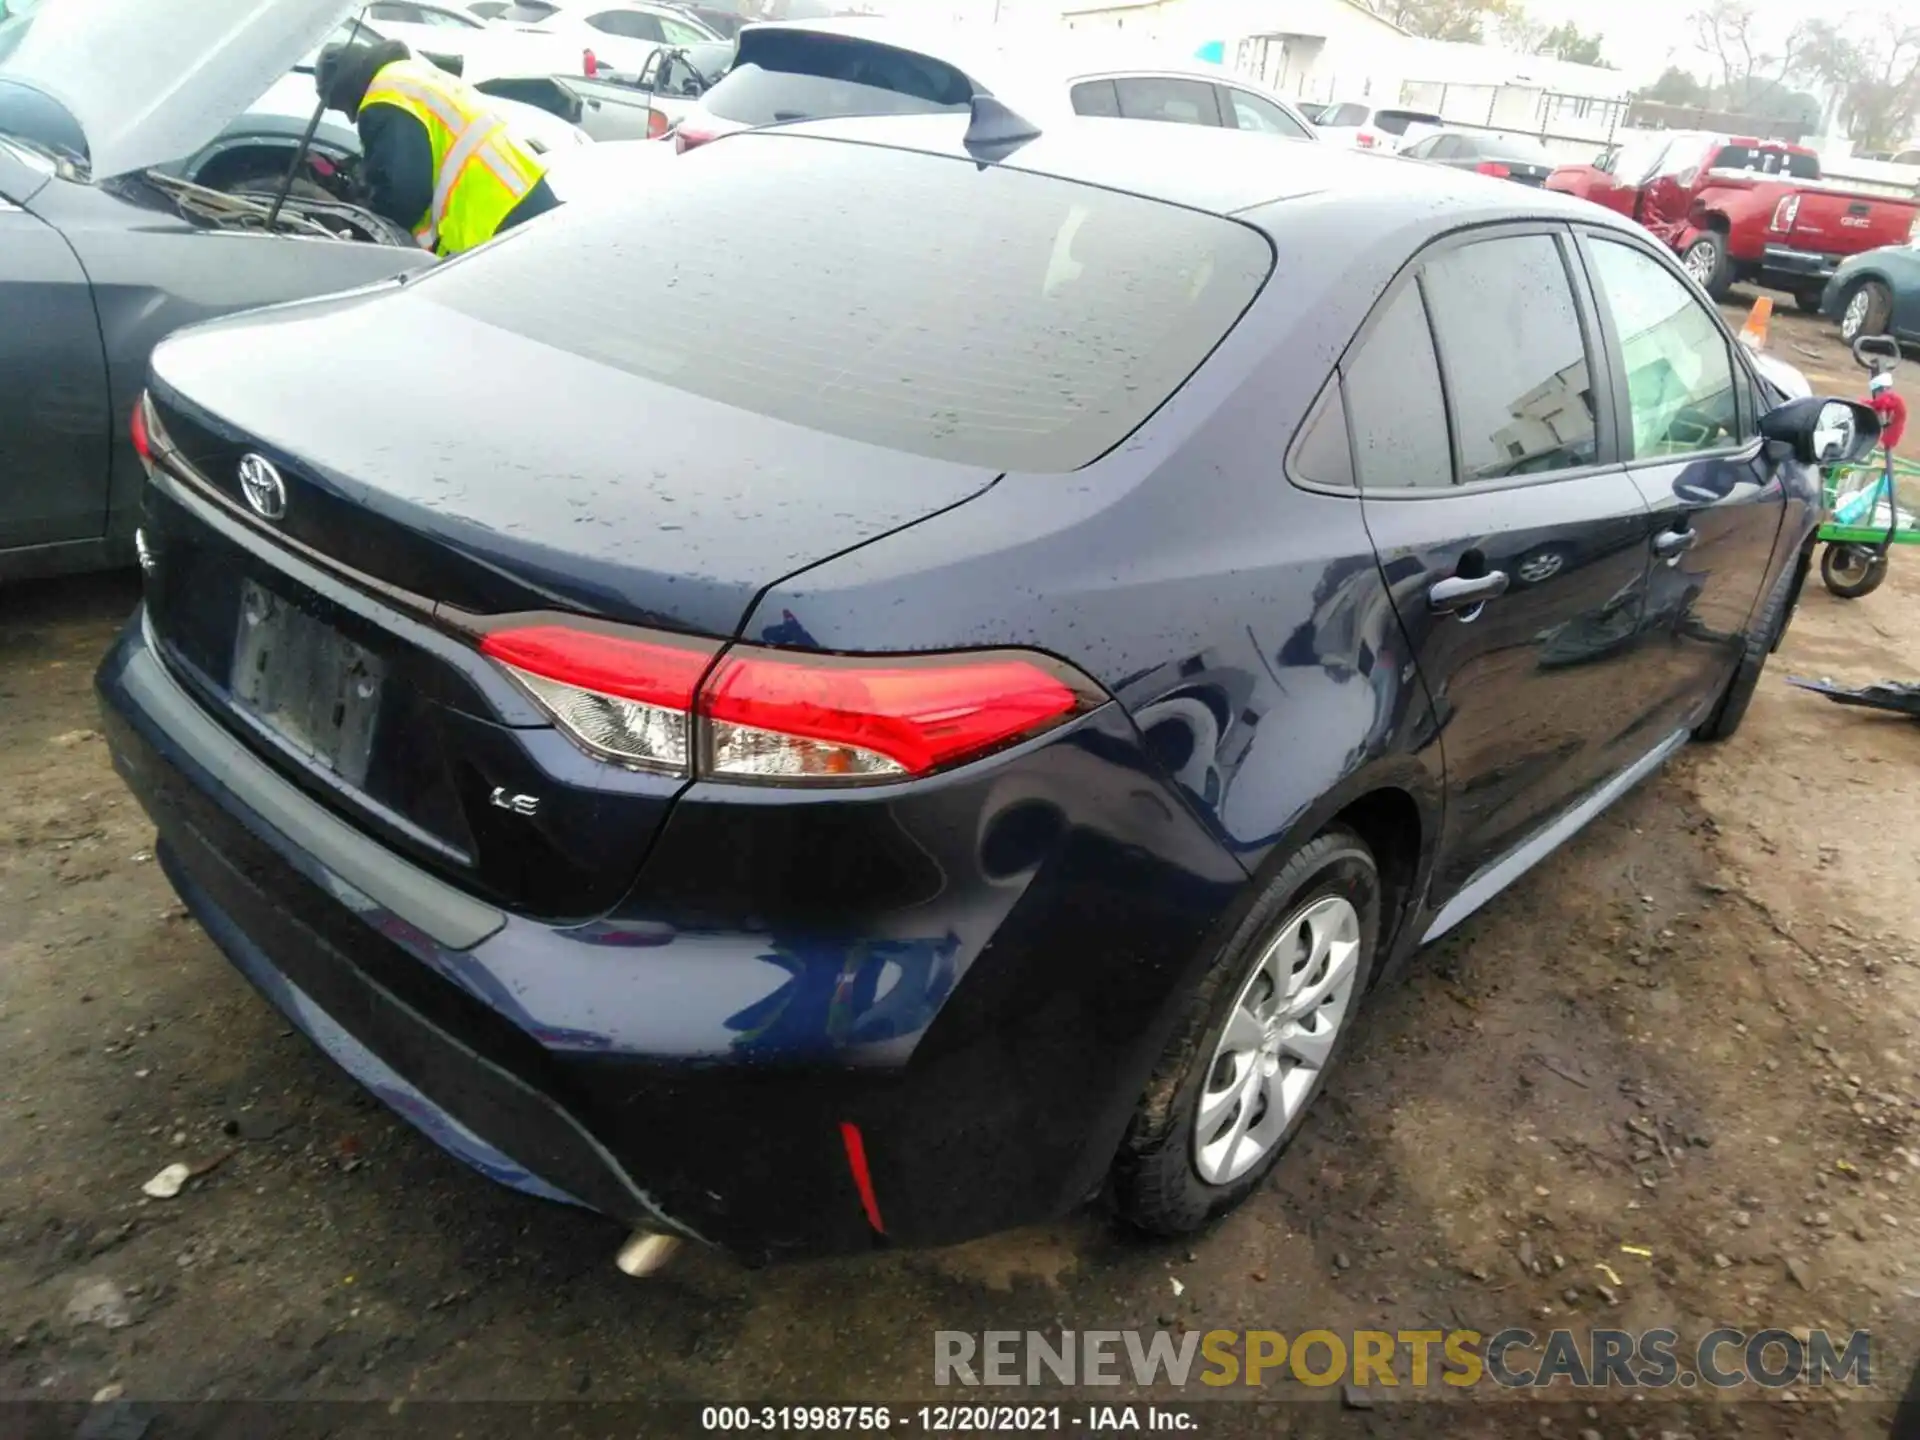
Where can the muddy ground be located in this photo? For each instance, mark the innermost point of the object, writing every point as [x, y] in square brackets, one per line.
[1691, 1032]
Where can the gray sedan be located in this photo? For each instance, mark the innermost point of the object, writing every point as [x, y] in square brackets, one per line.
[1519, 158]
[109, 241]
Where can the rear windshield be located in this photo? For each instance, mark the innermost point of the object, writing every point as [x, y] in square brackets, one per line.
[1514, 149]
[982, 315]
[1395, 122]
[1767, 161]
[782, 75]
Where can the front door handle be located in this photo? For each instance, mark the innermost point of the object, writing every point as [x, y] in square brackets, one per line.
[1462, 592]
[1672, 544]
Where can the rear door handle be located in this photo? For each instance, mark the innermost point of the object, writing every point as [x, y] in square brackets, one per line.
[1671, 544]
[1461, 592]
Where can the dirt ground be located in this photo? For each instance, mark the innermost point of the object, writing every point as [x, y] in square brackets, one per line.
[1692, 1032]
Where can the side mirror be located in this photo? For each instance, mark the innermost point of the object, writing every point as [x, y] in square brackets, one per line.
[1823, 431]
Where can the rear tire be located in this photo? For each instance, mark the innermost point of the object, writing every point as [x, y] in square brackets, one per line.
[1762, 640]
[1850, 571]
[1867, 310]
[1157, 1181]
[1807, 302]
[1706, 260]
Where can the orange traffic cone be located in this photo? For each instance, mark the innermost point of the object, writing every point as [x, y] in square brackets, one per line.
[1753, 334]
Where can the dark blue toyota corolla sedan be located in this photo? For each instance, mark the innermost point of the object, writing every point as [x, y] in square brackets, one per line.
[878, 690]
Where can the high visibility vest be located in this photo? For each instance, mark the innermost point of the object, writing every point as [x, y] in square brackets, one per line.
[480, 172]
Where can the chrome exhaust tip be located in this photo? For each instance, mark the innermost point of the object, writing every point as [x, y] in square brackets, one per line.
[646, 1253]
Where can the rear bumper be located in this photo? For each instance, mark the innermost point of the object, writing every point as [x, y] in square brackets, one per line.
[1799, 264]
[669, 1067]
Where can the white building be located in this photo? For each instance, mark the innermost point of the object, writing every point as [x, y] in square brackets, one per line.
[1315, 50]
[1303, 49]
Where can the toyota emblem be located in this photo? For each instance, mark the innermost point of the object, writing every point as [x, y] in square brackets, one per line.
[266, 492]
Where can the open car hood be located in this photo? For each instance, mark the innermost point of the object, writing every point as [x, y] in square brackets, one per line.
[149, 82]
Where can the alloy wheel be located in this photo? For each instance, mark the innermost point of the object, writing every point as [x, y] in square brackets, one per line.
[1541, 565]
[1854, 322]
[1278, 1039]
[1701, 261]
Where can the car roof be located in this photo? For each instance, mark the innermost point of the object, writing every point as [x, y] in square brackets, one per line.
[1225, 172]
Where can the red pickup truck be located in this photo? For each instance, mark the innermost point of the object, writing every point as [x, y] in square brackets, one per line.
[1738, 209]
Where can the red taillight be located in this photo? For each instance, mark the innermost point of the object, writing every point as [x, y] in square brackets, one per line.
[1784, 213]
[137, 427]
[1493, 168]
[589, 63]
[685, 139]
[1365, 140]
[771, 715]
[656, 124]
[768, 716]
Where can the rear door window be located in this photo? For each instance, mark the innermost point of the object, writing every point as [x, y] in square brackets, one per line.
[678, 32]
[1183, 102]
[1250, 112]
[1394, 404]
[1514, 356]
[1450, 147]
[1035, 340]
[783, 75]
[1095, 97]
[1344, 115]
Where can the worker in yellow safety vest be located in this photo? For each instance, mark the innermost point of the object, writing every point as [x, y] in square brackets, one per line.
[436, 159]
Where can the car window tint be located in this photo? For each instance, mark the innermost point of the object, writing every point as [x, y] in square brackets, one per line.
[1250, 112]
[631, 24]
[677, 32]
[1680, 392]
[1447, 147]
[782, 75]
[1394, 404]
[1095, 97]
[490, 9]
[1035, 342]
[1348, 115]
[1322, 454]
[1514, 357]
[1184, 102]
[395, 14]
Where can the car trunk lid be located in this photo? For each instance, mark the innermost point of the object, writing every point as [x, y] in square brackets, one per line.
[1834, 221]
[421, 493]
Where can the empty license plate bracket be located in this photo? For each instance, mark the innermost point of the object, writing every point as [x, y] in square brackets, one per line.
[306, 683]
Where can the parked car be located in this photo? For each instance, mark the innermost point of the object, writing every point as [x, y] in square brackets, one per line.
[775, 738]
[806, 70]
[674, 79]
[458, 41]
[1368, 127]
[1739, 209]
[1519, 158]
[621, 34]
[1877, 293]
